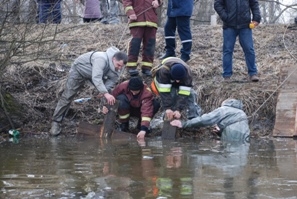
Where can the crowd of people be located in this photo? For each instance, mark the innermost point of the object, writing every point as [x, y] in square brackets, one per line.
[171, 89]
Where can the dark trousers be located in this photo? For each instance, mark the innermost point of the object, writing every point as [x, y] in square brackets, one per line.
[147, 36]
[182, 24]
[50, 12]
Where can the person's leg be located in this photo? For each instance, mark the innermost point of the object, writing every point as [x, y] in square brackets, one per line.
[44, 12]
[184, 31]
[104, 11]
[56, 12]
[113, 12]
[148, 49]
[194, 110]
[246, 42]
[73, 84]
[134, 48]
[229, 39]
[170, 29]
[123, 112]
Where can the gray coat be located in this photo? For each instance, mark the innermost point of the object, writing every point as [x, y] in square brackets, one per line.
[98, 68]
[230, 118]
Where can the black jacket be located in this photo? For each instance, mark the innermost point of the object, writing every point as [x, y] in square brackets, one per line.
[237, 13]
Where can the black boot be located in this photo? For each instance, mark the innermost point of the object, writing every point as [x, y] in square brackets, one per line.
[124, 126]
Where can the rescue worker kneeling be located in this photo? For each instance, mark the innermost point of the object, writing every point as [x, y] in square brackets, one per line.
[174, 83]
[135, 99]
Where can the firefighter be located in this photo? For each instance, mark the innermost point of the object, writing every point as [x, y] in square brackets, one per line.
[173, 82]
[135, 99]
[143, 27]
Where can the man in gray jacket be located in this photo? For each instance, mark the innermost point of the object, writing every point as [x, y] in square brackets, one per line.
[229, 118]
[102, 69]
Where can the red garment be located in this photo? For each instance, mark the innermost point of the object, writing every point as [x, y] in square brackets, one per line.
[143, 30]
[143, 103]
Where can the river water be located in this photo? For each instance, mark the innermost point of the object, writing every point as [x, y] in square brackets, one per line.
[84, 167]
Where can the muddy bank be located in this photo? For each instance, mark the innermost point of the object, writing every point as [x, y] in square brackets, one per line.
[36, 73]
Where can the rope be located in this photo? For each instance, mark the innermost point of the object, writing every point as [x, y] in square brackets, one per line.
[282, 83]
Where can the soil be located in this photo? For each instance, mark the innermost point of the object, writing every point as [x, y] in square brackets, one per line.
[37, 71]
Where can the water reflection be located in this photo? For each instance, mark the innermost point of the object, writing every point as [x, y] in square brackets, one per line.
[94, 168]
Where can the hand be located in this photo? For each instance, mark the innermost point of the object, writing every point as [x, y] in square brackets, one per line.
[176, 114]
[176, 123]
[141, 135]
[215, 128]
[133, 17]
[110, 99]
[155, 3]
[255, 23]
[169, 114]
[104, 110]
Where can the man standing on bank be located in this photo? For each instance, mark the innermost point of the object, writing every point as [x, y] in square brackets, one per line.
[237, 21]
[178, 17]
[102, 69]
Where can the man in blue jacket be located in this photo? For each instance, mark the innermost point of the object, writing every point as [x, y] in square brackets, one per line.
[178, 17]
[237, 21]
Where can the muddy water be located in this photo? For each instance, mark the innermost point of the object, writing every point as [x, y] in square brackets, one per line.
[93, 168]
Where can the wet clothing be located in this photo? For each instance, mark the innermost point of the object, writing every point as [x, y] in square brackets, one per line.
[143, 30]
[176, 96]
[92, 11]
[140, 105]
[178, 17]
[96, 67]
[230, 118]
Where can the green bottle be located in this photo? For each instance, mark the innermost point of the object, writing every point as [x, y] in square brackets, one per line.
[14, 133]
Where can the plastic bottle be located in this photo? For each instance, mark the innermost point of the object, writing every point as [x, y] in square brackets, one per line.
[14, 133]
[82, 100]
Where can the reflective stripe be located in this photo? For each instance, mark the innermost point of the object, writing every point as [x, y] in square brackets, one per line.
[131, 64]
[163, 88]
[146, 119]
[124, 116]
[185, 41]
[144, 23]
[147, 64]
[128, 8]
[170, 37]
[184, 90]
[164, 60]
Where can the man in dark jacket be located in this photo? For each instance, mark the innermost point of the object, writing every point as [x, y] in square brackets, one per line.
[173, 82]
[178, 17]
[102, 69]
[135, 99]
[237, 21]
[230, 119]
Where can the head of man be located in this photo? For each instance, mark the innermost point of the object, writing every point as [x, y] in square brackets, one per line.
[135, 85]
[119, 60]
[178, 72]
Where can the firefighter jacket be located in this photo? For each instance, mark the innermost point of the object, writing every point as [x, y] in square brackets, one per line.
[164, 84]
[146, 14]
[143, 101]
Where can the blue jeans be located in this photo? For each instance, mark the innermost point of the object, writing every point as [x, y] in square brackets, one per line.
[246, 41]
[50, 12]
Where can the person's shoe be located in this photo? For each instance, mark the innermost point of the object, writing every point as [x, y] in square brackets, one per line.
[227, 79]
[133, 72]
[147, 72]
[185, 58]
[254, 78]
[124, 126]
[56, 129]
[166, 55]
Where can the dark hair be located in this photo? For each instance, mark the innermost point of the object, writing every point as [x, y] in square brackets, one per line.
[121, 56]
